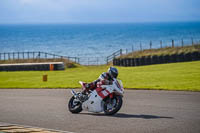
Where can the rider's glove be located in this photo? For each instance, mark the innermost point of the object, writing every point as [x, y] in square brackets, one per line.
[87, 86]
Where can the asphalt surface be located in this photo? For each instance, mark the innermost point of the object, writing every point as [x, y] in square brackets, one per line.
[142, 112]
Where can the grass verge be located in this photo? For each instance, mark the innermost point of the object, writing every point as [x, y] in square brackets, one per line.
[163, 51]
[174, 76]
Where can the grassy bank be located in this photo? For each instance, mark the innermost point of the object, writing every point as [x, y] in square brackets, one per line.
[163, 51]
[174, 76]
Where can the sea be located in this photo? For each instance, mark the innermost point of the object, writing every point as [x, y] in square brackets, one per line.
[95, 41]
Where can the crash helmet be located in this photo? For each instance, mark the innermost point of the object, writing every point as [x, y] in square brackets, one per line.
[113, 72]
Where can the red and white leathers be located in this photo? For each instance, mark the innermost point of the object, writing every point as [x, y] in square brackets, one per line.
[104, 79]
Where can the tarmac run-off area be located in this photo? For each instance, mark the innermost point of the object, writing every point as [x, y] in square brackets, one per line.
[143, 111]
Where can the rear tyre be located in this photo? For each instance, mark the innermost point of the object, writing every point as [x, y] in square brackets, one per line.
[74, 106]
[112, 106]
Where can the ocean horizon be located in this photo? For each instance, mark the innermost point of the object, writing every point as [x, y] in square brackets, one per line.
[94, 39]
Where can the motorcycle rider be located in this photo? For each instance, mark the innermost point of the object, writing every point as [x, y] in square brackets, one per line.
[105, 78]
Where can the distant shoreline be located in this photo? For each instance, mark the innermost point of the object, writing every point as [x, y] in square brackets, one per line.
[83, 23]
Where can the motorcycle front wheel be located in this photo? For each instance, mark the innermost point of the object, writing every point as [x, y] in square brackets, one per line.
[74, 105]
[112, 106]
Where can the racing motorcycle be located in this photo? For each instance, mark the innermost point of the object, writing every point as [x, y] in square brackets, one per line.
[107, 98]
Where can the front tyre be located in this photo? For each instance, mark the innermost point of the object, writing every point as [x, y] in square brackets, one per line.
[74, 105]
[112, 106]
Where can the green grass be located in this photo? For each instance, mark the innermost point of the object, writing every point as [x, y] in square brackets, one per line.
[174, 76]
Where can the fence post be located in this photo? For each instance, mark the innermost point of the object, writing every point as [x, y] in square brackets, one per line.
[18, 55]
[23, 54]
[28, 54]
[120, 52]
[126, 51]
[39, 55]
[161, 44]
[8, 56]
[172, 43]
[45, 55]
[140, 46]
[182, 42]
[0, 56]
[132, 48]
[150, 44]
[33, 55]
[13, 55]
[113, 55]
[4, 56]
[192, 41]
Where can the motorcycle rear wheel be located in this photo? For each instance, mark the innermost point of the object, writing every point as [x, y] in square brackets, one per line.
[74, 107]
[116, 102]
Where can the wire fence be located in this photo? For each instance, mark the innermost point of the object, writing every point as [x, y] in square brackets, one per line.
[34, 55]
[139, 46]
[92, 60]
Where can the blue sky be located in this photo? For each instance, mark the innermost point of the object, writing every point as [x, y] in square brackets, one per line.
[98, 11]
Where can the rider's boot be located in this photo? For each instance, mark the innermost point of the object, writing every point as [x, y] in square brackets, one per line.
[83, 96]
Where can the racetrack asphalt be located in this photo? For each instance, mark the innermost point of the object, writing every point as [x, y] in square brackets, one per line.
[143, 111]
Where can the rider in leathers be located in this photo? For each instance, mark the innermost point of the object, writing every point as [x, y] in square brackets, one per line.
[105, 78]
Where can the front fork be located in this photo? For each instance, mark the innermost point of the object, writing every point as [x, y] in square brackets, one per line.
[74, 93]
[79, 97]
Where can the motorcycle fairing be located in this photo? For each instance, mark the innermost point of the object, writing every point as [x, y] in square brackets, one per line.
[94, 103]
[103, 93]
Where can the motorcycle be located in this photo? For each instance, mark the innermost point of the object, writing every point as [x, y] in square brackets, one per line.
[107, 98]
